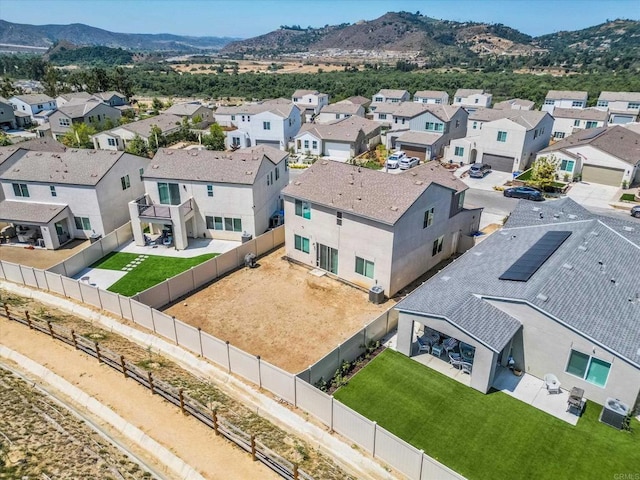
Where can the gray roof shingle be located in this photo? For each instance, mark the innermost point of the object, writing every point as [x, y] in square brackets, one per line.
[581, 114]
[566, 95]
[29, 212]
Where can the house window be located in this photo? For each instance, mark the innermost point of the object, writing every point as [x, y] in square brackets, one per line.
[169, 193]
[395, 100]
[437, 245]
[124, 181]
[549, 102]
[303, 209]
[502, 136]
[460, 200]
[603, 103]
[477, 100]
[338, 218]
[141, 172]
[209, 222]
[233, 118]
[52, 189]
[457, 123]
[458, 100]
[558, 135]
[111, 142]
[337, 116]
[438, 101]
[576, 123]
[459, 152]
[20, 189]
[64, 122]
[235, 141]
[576, 103]
[39, 107]
[286, 165]
[589, 368]
[232, 224]
[428, 217]
[535, 133]
[209, 190]
[306, 144]
[634, 106]
[277, 173]
[314, 144]
[301, 243]
[567, 165]
[382, 116]
[378, 99]
[364, 267]
[214, 223]
[591, 125]
[266, 125]
[475, 125]
[82, 223]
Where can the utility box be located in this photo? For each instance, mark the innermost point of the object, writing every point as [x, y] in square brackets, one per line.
[376, 295]
[246, 237]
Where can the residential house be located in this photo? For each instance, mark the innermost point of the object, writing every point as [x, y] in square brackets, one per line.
[65, 98]
[310, 102]
[54, 197]
[112, 98]
[624, 107]
[609, 156]
[370, 228]
[359, 100]
[191, 110]
[514, 104]
[118, 137]
[340, 140]
[221, 195]
[7, 117]
[437, 97]
[568, 121]
[472, 99]
[505, 139]
[391, 96]
[90, 112]
[556, 290]
[37, 105]
[338, 111]
[271, 122]
[564, 99]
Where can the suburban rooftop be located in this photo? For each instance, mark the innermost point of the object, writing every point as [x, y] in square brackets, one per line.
[566, 94]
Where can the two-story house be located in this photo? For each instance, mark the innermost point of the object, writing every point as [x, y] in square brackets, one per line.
[564, 99]
[388, 96]
[191, 110]
[7, 117]
[472, 99]
[112, 98]
[53, 197]
[91, 112]
[437, 97]
[505, 139]
[371, 228]
[514, 104]
[338, 111]
[37, 105]
[118, 137]
[624, 107]
[567, 121]
[310, 102]
[606, 155]
[555, 291]
[203, 193]
[65, 98]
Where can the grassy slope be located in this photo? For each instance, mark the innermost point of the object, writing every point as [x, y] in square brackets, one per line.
[486, 436]
[152, 271]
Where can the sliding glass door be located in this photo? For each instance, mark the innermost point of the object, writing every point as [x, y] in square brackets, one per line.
[169, 193]
[327, 258]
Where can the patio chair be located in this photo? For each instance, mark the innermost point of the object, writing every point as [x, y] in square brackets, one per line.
[467, 367]
[551, 383]
[423, 346]
[455, 360]
[168, 240]
[449, 344]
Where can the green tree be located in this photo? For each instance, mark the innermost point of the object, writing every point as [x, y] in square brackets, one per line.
[215, 139]
[156, 139]
[543, 172]
[156, 104]
[8, 90]
[196, 119]
[137, 146]
[79, 135]
[4, 140]
[51, 81]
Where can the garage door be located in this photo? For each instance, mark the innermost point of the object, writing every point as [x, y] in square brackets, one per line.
[269, 143]
[498, 162]
[337, 150]
[413, 151]
[602, 175]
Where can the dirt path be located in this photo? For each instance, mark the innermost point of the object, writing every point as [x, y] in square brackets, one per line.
[196, 444]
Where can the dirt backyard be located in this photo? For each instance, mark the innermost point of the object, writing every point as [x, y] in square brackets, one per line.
[279, 311]
[39, 257]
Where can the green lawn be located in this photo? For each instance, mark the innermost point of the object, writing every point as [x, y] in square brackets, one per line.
[490, 436]
[150, 272]
[628, 197]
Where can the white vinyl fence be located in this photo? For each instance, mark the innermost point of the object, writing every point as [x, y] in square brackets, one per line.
[408, 460]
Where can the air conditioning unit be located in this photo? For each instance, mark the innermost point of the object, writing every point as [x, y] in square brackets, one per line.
[614, 413]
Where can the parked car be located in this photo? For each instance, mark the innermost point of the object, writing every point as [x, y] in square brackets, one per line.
[394, 159]
[524, 192]
[479, 170]
[635, 211]
[409, 162]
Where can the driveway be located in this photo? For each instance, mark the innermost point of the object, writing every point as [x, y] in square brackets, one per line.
[594, 194]
[493, 179]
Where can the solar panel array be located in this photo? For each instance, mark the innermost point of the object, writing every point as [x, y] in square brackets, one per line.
[529, 263]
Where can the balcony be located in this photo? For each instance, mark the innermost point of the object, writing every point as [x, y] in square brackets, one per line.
[149, 210]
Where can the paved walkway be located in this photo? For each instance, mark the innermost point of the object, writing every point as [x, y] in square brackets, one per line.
[594, 195]
[197, 246]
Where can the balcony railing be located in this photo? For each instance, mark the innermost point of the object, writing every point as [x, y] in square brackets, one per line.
[146, 208]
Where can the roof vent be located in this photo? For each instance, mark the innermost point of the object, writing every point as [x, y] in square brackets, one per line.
[168, 152]
[568, 266]
[194, 153]
[38, 154]
[572, 216]
[114, 153]
[594, 233]
[94, 175]
[536, 209]
[445, 278]
[477, 254]
[414, 174]
[155, 167]
[249, 172]
[542, 296]
[394, 208]
[626, 228]
[583, 248]
[324, 162]
[419, 182]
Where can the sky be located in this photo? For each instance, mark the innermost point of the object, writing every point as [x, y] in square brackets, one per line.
[248, 18]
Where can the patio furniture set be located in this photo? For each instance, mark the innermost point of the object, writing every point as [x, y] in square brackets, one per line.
[460, 354]
[575, 402]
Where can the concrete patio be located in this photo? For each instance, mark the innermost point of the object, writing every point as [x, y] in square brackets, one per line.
[197, 246]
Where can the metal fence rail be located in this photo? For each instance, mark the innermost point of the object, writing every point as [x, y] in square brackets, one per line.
[189, 406]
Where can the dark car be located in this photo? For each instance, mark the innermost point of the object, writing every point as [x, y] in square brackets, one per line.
[524, 192]
[479, 170]
[635, 211]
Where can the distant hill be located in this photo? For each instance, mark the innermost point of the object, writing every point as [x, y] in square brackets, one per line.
[85, 35]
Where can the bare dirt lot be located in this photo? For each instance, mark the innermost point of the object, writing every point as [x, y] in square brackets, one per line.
[244, 66]
[279, 311]
[39, 257]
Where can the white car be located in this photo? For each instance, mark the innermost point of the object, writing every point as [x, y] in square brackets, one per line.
[394, 159]
[409, 162]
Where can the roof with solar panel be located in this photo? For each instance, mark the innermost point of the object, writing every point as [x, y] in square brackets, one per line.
[576, 267]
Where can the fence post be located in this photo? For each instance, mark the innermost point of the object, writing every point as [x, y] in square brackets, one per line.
[214, 416]
[421, 463]
[253, 448]
[375, 428]
[295, 471]
[259, 372]
[175, 331]
[228, 356]
[6, 310]
[150, 379]
[50, 329]
[200, 339]
[26, 314]
[64, 290]
[73, 337]
[181, 401]
[97, 351]
[124, 368]
[331, 419]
